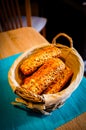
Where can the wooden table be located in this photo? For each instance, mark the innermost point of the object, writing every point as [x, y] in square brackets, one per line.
[13, 42]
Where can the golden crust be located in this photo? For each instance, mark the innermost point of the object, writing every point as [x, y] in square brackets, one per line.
[36, 59]
[44, 76]
[61, 80]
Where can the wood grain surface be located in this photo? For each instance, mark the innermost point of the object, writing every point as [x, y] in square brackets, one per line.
[19, 40]
[78, 123]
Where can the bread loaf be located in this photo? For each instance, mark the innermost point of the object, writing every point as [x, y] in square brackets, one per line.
[36, 59]
[43, 77]
[61, 80]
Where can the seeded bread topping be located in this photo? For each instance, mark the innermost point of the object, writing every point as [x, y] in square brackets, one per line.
[38, 58]
[44, 76]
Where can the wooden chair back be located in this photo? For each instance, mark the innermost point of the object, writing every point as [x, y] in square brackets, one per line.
[10, 14]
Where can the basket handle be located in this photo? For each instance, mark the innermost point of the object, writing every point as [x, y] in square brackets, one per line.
[64, 35]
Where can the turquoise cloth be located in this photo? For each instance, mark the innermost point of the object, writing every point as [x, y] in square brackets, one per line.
[14, 118]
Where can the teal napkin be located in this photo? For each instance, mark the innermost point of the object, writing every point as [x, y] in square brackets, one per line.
[15, 118]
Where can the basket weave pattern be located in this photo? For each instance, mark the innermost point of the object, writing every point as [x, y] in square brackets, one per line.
[50, 102]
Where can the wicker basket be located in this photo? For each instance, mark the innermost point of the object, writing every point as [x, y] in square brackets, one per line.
[49, 102]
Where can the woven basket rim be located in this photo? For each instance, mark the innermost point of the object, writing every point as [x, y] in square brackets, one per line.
[28, 52]
[62, 95]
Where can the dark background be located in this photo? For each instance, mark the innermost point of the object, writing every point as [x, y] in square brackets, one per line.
[68, 16]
